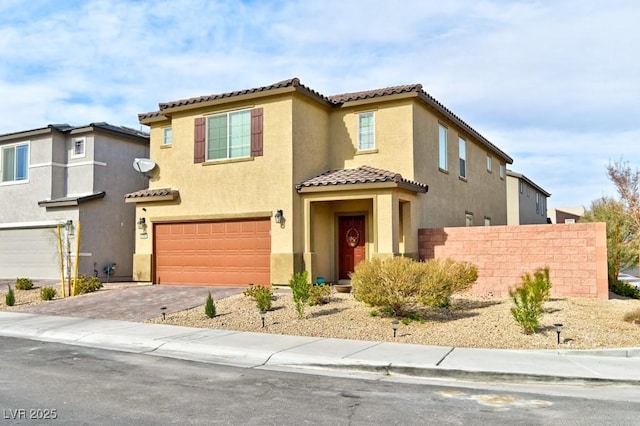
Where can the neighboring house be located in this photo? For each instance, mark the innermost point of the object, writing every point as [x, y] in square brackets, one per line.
[526, 201]
[59, 175]
[255, 185]
[566, 214]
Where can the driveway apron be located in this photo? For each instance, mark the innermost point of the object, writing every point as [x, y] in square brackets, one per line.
[131, 303]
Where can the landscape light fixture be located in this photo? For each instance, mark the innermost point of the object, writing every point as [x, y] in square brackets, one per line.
[263, 315]
[394, 325]
[164, 314]
[558, 330]
[279, 216]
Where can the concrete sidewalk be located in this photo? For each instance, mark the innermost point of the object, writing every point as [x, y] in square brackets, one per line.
[258, 350]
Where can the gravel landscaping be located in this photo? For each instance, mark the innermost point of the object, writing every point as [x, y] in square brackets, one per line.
[468, 322]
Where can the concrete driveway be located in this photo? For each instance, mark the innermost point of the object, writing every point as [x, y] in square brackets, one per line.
[128, 301]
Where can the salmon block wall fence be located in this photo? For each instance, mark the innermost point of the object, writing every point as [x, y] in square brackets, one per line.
[576, 255]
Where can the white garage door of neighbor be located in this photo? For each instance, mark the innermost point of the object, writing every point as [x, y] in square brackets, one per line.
[30, 253]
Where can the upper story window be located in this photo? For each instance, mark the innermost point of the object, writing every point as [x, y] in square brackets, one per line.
[501, 171]
[15, 162]
[229, 135]
[78, 148]
[462, 145]
[167, 136]
[442, 147]
[521, 187]
[537, 203]
[366, 131]
[234, 134]
[489, 163]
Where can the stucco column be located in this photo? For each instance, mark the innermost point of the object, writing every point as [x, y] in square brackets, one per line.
[309, 256]
[387, 224]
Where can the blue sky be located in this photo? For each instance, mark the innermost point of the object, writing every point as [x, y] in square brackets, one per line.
[555, 84]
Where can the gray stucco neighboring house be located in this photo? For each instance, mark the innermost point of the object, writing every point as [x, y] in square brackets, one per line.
[72, 178]
[526, 201]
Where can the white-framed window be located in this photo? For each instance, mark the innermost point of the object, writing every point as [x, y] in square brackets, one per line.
[528, 192]
[489, 163]
[487, 221]
[521, 187]
[537, 203]
[442, 148]
[15, 162]
[462, 149]
[78, 147]
[468, 219]
[229, 135]
[167, 136]
[501, 171]
[366, 131]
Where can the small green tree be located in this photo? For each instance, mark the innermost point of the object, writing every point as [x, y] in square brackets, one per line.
[300, 288]
[529, 298]
[210, 307]
[10, 297]
[262, 295]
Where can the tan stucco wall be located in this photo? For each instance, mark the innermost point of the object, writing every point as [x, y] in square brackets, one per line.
[483, 194]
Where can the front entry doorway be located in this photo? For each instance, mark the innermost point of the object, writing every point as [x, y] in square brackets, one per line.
[351, 244]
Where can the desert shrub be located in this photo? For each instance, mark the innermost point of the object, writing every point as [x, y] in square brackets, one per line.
[319, 294]
[444, 277]
[263, 296]
[633, 316]
[47, 293]
[86, 284]
[209, 307]
[401, 285]
[622, 288]
[528, 299]
[24, 284]
[10, 297]
[300, 288]
[392, 284]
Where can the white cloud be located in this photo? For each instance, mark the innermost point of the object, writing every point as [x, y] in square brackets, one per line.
[554, 84]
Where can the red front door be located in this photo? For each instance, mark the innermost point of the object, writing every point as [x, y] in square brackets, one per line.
[351, 239]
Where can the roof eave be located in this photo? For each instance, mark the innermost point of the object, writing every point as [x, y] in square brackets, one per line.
[361, 186]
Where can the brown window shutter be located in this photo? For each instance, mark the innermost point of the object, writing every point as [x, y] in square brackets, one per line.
[199, 140]
[256, 132]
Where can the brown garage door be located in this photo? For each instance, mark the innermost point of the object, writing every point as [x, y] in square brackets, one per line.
[213, 253]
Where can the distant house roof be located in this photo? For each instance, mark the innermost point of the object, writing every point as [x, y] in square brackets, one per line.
[337, 101]
[65, 128]
[360, 175]
[529, 181]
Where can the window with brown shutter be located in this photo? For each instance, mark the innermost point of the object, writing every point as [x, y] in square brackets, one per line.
[256, 132]
[199, 140]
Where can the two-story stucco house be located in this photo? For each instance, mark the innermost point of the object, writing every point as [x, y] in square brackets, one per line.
[254, 185]
[74, 177]
[526, 201]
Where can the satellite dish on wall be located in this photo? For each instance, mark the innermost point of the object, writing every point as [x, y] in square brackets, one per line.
[143, 165]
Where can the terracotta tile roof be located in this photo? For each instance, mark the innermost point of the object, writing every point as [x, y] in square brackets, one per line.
[338, 101]
[362, 174]
[292, 82]
[393, 90]
[146, 193]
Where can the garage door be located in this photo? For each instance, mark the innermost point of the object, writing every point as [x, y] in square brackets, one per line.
[213, 253]
[30, 253]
